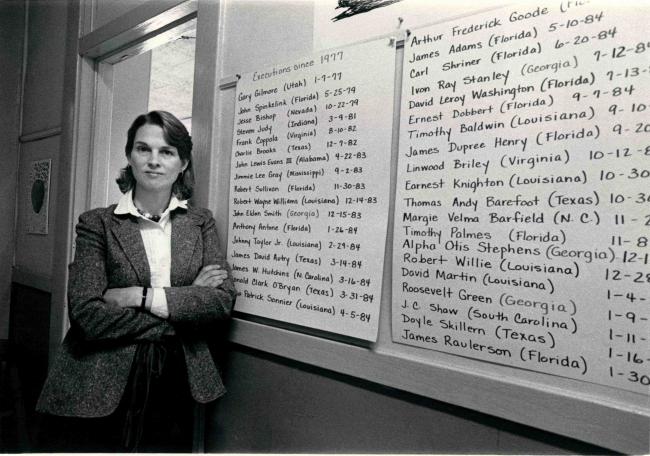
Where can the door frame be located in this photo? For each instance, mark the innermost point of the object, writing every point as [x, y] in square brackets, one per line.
[87, 110]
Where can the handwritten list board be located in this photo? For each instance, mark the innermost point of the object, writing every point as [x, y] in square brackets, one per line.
[309, 189]
[522, 214]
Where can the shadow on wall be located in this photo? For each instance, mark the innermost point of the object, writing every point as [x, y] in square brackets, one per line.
[23, 367]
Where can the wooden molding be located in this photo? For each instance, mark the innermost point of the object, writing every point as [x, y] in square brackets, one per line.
[146, 21]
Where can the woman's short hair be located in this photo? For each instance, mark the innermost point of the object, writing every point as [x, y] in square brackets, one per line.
[176, 135]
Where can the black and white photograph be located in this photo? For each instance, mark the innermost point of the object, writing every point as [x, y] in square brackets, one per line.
[325, 227]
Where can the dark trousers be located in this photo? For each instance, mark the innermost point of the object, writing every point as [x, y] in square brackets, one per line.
[167, 419]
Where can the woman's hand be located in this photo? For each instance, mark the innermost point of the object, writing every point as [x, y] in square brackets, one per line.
[211, 275]
[124, 297]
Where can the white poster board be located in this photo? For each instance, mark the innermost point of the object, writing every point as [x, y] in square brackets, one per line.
[309, 190]
[522, 218]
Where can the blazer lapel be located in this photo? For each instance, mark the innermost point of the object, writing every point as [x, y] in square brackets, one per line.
[185, 233]
[127, 232]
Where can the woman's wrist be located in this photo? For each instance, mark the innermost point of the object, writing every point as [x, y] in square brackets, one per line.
[143, 299]
[149, 300]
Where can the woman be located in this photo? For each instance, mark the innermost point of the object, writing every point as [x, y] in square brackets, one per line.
[146, 287]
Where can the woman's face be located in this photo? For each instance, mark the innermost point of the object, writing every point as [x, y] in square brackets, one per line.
[155, 163]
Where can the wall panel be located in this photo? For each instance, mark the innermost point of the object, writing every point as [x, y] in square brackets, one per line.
[44, 79]
[11, 55]
[279, 406]
[30, 321]
[34, 251]
[259, 33]
[254, 35]
[107, 10]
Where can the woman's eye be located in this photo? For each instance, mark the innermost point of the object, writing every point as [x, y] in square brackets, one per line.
[141, 148]
[167, 152]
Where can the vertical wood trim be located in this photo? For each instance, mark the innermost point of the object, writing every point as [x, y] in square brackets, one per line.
[87, 22]
[205, 125]
[101, 143]
[65, 179]
[19, 146]
[205, 118]
[23, 76]
[74, 161]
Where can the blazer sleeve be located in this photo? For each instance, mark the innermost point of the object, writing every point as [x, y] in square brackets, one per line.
[198, 306]
[90, 315]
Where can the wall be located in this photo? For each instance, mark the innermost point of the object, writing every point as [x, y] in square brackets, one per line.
[30, 125]
[278, 405]
[11, 55]
[33, 257]
[29, 335]
[107, 10]
[259, 33]
[130, 99]
[41, 117]
[44, 79]
[42, 104]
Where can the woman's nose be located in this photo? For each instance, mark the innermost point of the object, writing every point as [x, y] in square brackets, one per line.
[154, 159]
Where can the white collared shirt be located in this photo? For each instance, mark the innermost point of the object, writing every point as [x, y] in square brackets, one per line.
[157, 239]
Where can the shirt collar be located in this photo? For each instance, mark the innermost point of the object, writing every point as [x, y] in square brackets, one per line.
[126, 206]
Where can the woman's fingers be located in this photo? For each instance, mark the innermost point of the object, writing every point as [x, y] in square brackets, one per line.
[214, 283]
[215, 274]
[215, 278]
[211, 275]
[200, 278]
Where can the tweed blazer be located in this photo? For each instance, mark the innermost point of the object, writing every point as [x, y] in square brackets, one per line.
[91, 370]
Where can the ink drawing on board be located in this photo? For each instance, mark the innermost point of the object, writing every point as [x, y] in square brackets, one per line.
[343, 22]
[354, 7]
